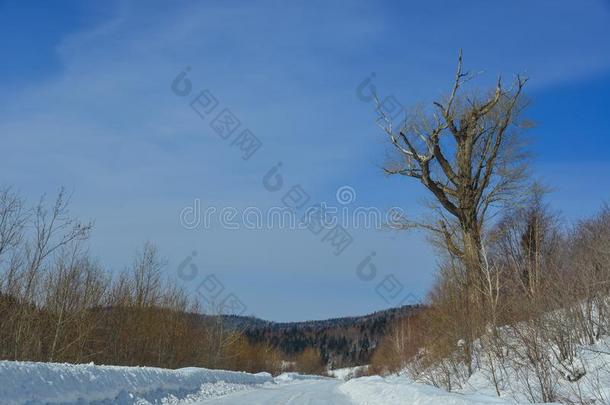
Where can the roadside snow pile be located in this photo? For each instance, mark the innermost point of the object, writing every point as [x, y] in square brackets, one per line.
[399, 390]
[348, 373]
[206, 391]
[290, 377]
[51, 383]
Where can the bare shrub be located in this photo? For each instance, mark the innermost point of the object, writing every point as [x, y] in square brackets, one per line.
[398, 346]
[310, 362]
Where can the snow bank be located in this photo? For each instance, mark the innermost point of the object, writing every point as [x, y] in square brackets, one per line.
[400, 390]
[51, 383]
[290, 377]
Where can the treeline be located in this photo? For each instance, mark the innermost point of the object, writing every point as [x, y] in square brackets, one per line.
[58, 304]
[548, 289]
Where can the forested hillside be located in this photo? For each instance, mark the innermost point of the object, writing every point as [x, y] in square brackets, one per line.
[342, 342]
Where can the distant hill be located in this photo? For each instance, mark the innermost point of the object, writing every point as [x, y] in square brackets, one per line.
[343, 342]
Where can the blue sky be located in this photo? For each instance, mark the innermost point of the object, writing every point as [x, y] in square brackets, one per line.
[87, 104]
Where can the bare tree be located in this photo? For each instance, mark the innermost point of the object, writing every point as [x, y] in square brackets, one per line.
[146, 273]
[74, 287]
[58, 304]
[13, 218]
[527, 242]
[52, 230]
[467, 154]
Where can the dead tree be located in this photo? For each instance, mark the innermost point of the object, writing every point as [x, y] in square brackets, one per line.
[467, 153]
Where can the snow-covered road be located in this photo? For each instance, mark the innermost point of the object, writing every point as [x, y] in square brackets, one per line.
[309, 392]
[29, 383]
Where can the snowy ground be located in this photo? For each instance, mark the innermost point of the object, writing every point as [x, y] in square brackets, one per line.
[50, 383]
[318, 391]
[583, 378]
[397, 390]
[29, 383]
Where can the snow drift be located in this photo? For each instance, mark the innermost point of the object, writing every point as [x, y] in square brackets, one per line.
[51, 383]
